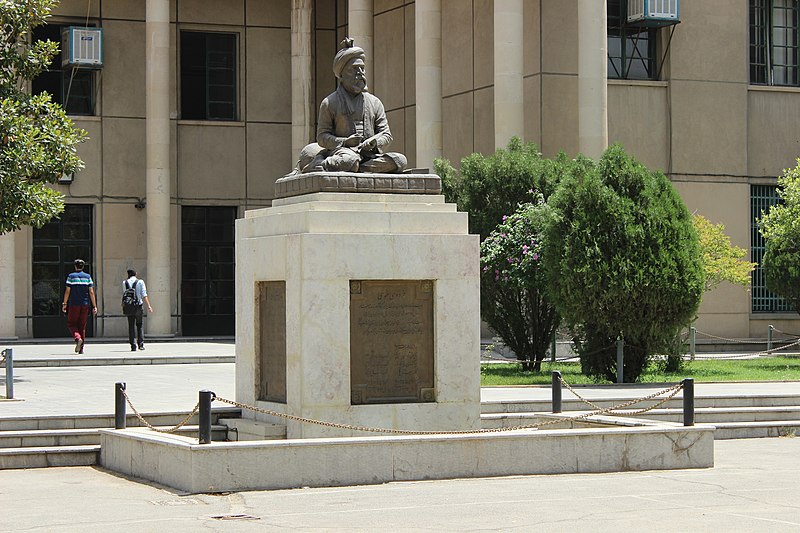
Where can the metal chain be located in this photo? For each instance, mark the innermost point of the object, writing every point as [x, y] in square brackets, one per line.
[546, 360]
[161, 430]
[766, 353]
[674, 390]
[742, 341]
[786, 333]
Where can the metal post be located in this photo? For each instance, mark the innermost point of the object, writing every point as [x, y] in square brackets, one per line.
[620, 359]
[556, 391]
[769, 337]
[688, 402]
[553, 349]
[206, 397]
[119, 406]
[693, 341]
[8, 355]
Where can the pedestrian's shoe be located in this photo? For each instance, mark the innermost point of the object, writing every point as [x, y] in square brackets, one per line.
[141, 346]
[79, 346]
[133, 348]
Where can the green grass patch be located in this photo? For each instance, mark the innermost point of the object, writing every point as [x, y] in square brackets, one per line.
[762, 369]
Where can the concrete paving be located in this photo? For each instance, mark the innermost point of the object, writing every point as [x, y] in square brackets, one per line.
[753, 487]
[173, 387]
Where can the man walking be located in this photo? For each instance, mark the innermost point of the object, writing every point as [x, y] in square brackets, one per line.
[80, 291]
[136, 313]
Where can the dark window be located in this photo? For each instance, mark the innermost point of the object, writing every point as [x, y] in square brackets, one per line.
[774, 42]
[631, 48]
[762, 198]
[208, 76]
[55, 246]
[73, 88]
[208, 270]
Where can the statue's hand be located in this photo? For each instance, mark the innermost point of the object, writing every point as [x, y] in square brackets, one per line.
[354, 140]
[367, 145]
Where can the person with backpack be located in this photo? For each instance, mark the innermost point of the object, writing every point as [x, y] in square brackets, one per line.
[134, 295]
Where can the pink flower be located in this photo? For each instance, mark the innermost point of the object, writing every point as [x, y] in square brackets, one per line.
[535, 256]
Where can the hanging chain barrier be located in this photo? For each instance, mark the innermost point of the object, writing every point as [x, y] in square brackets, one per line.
[617, 409]
[795, 335]
[154, 428]
[764, 353]
[571, 358]
[671, 392]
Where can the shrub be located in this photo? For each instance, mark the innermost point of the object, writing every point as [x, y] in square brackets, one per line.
[623, 261]
[514, 285]
[781, 228]
[490, 188]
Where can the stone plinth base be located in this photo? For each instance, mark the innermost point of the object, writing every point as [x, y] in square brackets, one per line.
[181, 463]
[306, 257]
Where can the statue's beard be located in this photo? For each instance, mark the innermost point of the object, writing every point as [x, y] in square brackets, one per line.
[356, 86]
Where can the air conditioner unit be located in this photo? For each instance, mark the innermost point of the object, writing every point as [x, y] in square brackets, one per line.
[82, 47]
[653, 12]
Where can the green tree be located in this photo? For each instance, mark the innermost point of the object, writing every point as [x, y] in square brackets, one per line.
[722, 261]
[490, 188]
[513, 283]
[38, 143]
[494, 186]
[781, 228]
[623, 261]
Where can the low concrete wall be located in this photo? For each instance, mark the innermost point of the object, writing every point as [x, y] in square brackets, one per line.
[233, 466]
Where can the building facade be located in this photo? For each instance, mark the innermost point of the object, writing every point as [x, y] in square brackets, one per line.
[201, 105]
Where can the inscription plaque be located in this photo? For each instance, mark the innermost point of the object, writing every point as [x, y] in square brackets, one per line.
[272, 341]
[391, 341]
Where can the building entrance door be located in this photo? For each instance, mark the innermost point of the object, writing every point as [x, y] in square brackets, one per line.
[207, 270]
[55, 247]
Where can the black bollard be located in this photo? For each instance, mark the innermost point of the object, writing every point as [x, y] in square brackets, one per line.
[206, 397]
[688, 402]
[556, 389]
[119, 406]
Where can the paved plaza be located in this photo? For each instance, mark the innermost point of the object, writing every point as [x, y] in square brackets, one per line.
[753, 487]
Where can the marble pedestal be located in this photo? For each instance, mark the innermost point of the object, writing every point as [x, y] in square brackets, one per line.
[308, 253]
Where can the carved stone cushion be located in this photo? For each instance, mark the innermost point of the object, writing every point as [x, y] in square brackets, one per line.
[297, 184]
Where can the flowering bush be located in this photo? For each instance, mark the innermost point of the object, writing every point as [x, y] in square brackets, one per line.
[513, 283]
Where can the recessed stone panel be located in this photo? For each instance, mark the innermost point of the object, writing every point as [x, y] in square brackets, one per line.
[272, 340]
[391, 341]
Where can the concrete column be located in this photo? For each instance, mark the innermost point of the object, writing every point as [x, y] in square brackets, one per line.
[509, 111]
[7, 287]
[428, 61]
[302, 81]
[159, 282]
[359, 22]
[592, 77]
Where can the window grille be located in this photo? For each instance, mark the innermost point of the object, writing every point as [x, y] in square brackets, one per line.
[774, 58]
[208, 76]
[762, 198]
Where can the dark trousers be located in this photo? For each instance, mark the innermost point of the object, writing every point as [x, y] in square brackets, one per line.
[136, 320]
[77, 315]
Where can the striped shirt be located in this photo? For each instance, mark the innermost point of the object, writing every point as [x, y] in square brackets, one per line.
[79, 283]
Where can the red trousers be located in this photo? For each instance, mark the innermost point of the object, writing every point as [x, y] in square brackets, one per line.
[76, 321]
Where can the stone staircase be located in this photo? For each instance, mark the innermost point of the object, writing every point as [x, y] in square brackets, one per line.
[37, 442]
[735, 417]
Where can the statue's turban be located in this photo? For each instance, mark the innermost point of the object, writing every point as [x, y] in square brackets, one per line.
[346, 53]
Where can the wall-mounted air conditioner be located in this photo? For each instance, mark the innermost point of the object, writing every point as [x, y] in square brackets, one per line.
[653, 12]
[82, 47]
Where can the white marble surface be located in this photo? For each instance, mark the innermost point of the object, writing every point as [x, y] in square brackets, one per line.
[317, 244]
[181, 463]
